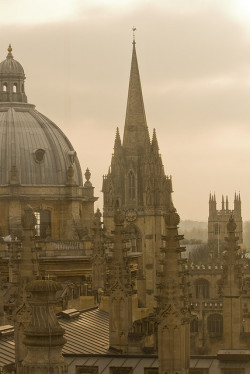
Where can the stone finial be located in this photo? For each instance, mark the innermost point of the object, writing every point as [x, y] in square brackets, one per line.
[231, 225]
[28, 218]
[87, 174]
[172, 218]
[9, 51]
[87, 177]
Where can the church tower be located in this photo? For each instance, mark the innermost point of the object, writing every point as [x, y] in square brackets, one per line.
[137, 184]
[218, 220]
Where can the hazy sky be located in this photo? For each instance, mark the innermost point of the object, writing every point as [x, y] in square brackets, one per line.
[194, 61]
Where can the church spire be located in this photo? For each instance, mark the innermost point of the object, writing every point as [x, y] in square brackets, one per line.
[135, 131]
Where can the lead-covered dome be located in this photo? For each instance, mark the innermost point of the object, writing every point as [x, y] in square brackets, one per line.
[11, 66]
[33, 149]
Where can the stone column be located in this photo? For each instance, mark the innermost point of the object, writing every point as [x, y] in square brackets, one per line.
[173, 304]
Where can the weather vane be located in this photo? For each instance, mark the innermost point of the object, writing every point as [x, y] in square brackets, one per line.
[133, 28]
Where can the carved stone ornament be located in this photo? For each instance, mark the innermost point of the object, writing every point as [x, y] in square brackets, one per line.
[172, 218]
[131, 215]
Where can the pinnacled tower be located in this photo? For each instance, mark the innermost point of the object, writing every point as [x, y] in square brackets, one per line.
[136, 182]
[119, 290]
[218, 219]
[173, 303]
[232, 290]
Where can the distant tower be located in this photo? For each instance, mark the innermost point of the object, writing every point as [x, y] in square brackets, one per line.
[218, 219]
[137, 184]
[173, 304]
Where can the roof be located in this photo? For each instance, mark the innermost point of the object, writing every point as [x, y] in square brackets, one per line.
[35, 146]
[11, 66]
[81, 334]
[7, 350]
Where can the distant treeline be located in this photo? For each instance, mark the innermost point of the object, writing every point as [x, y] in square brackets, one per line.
[193, 231]
[197, 231]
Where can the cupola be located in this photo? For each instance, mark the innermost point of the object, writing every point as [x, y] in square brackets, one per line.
[12, 80]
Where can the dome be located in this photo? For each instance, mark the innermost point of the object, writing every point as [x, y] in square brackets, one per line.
[11, 66]
[33, 150]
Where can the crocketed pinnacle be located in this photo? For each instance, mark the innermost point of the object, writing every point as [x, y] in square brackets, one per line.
[117, 139]
[155, 146]
[135, 131]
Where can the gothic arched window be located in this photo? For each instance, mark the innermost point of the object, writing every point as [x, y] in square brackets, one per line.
[202, 288]
[43, 223]
[131, 185]
[215, 324]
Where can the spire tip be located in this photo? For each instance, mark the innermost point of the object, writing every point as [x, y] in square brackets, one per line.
[134, 29]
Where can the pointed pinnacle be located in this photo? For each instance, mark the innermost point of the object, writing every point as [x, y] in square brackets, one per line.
[117, 139]
[155, 146]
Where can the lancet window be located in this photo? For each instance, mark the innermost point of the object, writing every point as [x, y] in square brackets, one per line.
[131, 185]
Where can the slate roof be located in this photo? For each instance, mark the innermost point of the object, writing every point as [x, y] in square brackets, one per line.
[86, 334]
[82, 332]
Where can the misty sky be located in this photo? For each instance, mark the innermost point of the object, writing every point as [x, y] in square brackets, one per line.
[194, 61]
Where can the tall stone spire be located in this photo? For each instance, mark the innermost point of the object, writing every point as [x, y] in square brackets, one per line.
[135, 131]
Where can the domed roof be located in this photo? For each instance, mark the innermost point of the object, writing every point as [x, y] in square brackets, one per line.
[33, 150]
[11, 66]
